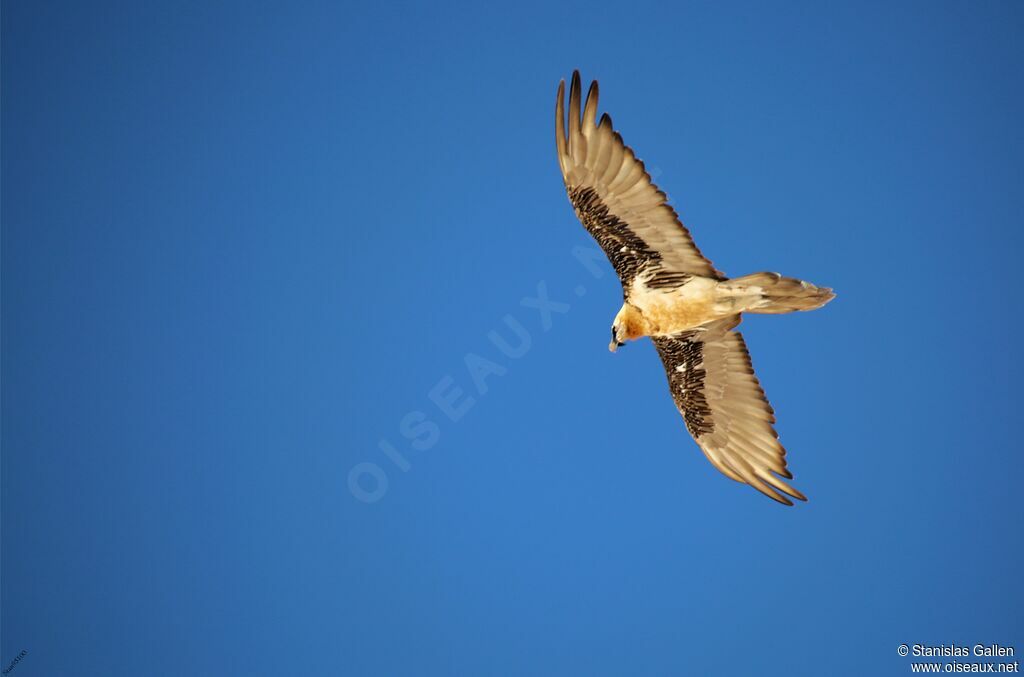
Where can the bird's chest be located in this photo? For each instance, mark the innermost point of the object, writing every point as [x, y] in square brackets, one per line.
[670, 311]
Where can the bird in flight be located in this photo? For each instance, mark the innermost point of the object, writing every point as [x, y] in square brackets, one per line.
[674, 295]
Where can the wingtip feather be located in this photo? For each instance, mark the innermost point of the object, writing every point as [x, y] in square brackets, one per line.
[560, 140]
[574, 106]
[590, 109]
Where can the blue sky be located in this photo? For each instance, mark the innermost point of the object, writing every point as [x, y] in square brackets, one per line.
[248, 247]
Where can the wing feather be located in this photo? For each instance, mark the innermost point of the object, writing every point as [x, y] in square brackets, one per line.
[714, 387]
[613, 194]
[560, 139]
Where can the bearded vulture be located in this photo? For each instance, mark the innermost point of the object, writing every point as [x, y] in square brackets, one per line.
[674, 295]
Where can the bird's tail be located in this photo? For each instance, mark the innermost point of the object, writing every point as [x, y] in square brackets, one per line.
[773, 293]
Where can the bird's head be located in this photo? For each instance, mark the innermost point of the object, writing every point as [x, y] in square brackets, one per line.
[616, 343]
[627, 326]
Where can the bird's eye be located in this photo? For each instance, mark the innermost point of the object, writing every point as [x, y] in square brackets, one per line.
[614, 337]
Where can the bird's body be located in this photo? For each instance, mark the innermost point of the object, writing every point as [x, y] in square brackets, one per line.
[659, 311]
[663, 312]
[675, 296]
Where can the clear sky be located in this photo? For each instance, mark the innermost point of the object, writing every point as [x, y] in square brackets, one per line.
[254, 253]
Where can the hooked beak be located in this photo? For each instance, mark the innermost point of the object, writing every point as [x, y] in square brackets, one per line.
[615, 345]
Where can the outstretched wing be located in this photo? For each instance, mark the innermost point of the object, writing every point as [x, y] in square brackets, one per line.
[714, 386]
[616, 200]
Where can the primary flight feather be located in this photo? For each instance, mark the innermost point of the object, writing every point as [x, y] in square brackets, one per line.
[674, 295]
